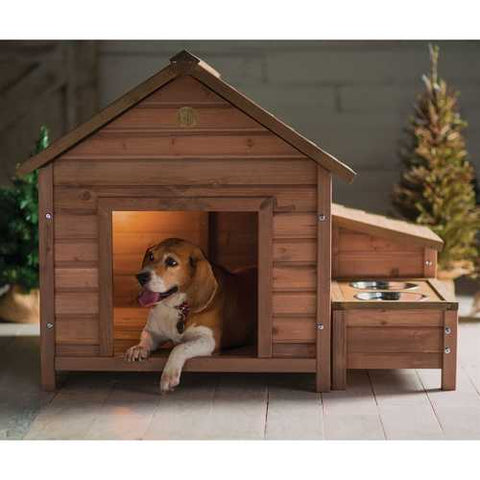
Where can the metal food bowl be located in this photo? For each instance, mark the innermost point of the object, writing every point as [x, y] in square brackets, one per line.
[383, 285]
[391, 296]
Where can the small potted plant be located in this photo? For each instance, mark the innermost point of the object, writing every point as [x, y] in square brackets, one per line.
[19, 295]
[437, 184]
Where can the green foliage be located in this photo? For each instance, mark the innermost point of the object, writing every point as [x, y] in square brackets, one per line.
[19, 227]
[436, 187]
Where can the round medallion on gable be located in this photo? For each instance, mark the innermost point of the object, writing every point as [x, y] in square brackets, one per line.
[187, 117]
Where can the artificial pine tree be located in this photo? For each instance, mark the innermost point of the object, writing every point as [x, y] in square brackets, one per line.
[19, 228]
[436, 187]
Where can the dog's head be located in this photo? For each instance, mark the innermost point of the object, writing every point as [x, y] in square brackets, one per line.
[172, 266]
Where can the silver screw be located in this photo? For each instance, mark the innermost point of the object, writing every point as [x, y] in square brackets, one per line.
[320, 326]
[428, 263]
[48, 216]
[49, 325]
[447, 350]
[448, 330]
[322, 217]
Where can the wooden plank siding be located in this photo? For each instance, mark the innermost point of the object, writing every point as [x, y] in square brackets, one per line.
[147, 153]
[358, 254]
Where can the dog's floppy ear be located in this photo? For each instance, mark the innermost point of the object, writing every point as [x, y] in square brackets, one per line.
[204, 285]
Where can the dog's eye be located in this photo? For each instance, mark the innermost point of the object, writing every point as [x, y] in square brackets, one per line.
[170, 262]
[151, 257]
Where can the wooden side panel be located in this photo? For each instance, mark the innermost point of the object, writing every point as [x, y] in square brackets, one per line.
[358, 254]
[131, 171]
[294, 350]
[233, 239]
[288, 198]
[47, 277]
[294, 330]
[449, 357]
[324, 279]
[339, 351]
[265, 272]
[395, 339]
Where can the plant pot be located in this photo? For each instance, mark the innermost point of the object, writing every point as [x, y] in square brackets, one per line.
[456, 270]
[18, 306]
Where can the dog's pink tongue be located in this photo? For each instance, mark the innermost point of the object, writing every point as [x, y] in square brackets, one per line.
[148, 298]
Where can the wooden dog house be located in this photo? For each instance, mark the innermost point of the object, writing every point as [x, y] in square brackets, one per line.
[184, 154]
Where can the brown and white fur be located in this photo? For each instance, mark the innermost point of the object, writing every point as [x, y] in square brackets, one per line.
[222, 306]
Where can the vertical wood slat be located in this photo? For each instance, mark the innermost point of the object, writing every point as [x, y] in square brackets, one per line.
[430, 263]
[324, 275]
[47, 277]
[105, 280]
[449, 366]
[265, 280]
[339, 351]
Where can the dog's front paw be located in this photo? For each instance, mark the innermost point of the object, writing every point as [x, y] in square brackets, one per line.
[136, 353]
[170, 379]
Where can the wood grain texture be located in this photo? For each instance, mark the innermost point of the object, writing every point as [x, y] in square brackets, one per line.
[339, 351]
[302, 251]
[294, 330]
[324, 278]
[76, 253]
[75, 352]
[164, 119]
[294, 350]
[71, 278]
[71, 226]
[146, 144]
[295, 225]
[265, 267]
[449, 359]
[105, 274]
[76, 303]
[195, 171]
[289, 198]
[233, 239]
[383, 227]
[394, 318]
[294, 303]
[416, 339]
[380, 360]
[47, 277]
[225, 363]
[76, 329]
[294, 277]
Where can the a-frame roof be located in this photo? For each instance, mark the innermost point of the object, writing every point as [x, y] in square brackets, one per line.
[184, 63]
[384, 227]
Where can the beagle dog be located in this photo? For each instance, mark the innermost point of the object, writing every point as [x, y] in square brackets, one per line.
[200, 307]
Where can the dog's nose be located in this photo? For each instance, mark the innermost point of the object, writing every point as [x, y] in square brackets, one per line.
[143, 278]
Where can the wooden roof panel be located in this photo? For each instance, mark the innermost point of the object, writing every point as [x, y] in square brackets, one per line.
[382, 226]
[184, 63]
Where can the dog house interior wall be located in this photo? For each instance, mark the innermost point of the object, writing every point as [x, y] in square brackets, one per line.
[187, 136]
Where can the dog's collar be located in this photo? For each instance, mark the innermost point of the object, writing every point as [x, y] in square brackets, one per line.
[183, 311]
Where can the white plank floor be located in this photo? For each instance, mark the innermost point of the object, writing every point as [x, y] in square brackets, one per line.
[383, 404]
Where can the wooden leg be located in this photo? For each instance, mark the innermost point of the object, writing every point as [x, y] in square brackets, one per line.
[49, 381]
[339, 351]
[449, 368]
[47, 276]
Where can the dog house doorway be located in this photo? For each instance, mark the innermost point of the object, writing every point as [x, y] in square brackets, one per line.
[233, 232]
